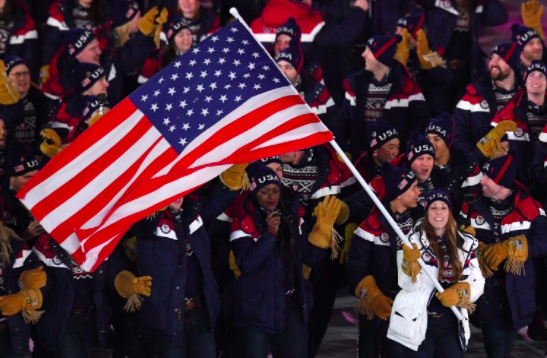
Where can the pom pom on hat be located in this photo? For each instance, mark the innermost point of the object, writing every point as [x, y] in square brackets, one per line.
[290, 28]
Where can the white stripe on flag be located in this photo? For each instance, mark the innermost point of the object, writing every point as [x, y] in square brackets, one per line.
[93, 255]
[297, 133]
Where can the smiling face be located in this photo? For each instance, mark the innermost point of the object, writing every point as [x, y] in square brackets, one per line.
[422, 166]
[409, 199]
[91, 53]
[439, 144]
[533, 51]
[19, 78]
[535, 83]
[498, 68]
[387, 152]
[268, 197]
[281, 42]
[437, 215]
[183, 40]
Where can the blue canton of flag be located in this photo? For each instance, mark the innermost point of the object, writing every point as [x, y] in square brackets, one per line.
[205, 84]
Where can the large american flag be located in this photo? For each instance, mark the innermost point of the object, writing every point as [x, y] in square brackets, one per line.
[223, 102]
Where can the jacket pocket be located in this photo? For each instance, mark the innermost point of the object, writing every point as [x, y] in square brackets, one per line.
[406, 318]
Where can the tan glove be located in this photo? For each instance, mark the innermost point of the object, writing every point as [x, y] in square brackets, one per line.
[457, 295]
[469, 229]
[532, 12]
[27, 301]
[514, 249]
[235, 177]
[34, 279]
[95, 119]
[8, 94]
[44, 74]
[490, 144]
[306, 271]
[130, 287]
[233, 265]
[51, 142]
[403, 48]
[343, 215]
[322, 233]
[149, 25]
[348, 236]
[371, 300]
[428, 59]
[410, 264]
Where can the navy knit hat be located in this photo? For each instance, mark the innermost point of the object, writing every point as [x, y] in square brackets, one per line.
[176, 25]
[12, 61]
[384, 47]
[509, 52]
[522, 34]
[293, 55]
[92, 103]
[86, 74]
[269, 160]
[77, 39]
[502, 170]
[290, 28]
[417, 146]
[122, 11]
[260, 176]
[437, 195]
[379, 133]
[535, 66]
[20, 160]
[413, 23]
[442, 126]
[397, 180]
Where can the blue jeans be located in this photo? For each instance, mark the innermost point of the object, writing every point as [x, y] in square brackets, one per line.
[198, 340]
[292, 342]
[441, 339]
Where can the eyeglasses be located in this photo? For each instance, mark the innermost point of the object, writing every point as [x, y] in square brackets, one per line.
[20, 74]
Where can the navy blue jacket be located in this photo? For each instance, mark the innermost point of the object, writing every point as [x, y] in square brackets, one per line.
[259, 293]
[21, 259]
[51, 327]
[441, 17]
[528, 219]
[162, 255]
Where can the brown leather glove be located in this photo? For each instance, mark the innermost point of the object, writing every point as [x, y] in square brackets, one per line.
[486, 272]
[51, 142]
[410, 265]
[233, 265]
[326, 212]
[44, 74]
[8, 94]
[27, 301]
[403, 48]
[343, 215]
[130, 287]
[514, 249]
[235, 177]
[348, 236]
[456, 295]
[371, 300]
[531, 16]
[149, 25]
[490, 145]
[35, 278]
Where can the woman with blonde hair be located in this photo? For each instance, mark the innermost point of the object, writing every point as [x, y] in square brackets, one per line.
[421, 319]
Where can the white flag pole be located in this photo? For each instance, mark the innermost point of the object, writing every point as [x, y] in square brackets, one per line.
[370, 193]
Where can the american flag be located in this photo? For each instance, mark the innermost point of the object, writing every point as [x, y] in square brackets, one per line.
[223, 102]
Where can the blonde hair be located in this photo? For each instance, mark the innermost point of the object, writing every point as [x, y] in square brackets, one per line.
[6, 234]
[123, 32]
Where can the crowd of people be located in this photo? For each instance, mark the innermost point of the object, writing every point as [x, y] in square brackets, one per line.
[452, 141]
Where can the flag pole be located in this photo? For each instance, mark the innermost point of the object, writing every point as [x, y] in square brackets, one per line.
[370, 193]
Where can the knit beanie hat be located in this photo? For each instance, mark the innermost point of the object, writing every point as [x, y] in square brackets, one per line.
[92, 103]
[418, 145]
[176, 25]
[509, 52]
[77, 39]
[269, 160]
[384, 47]
[535, 66]
[86, 74]
[442, 126]
[12, 61]
[122, 11]
[379, 133]
[413, 23]
[522, 34]
[437, 195]
[290, 28]
[260, 176]
[293, 55]
[502, 170]
[397, 180]
[20, 159]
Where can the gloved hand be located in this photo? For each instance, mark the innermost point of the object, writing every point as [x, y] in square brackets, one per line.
[489, 145]
[456, 295]
[403, 48]
[410, 265]
[469, 229]
[233, 265]
[343, 215]
[428, 59]
[130, 287]
[306, 271]
[27, 300]
[348, 236]
[8, 94]
[94, 120]
[149, 25]
[51, 142]
[514, 249]
[531, 16]
[235, 177]
[485, 270]
[326, 212]
[35, 278]
[44, 74]
[371, 300]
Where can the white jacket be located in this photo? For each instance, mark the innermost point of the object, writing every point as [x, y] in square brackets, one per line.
[408, 322]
